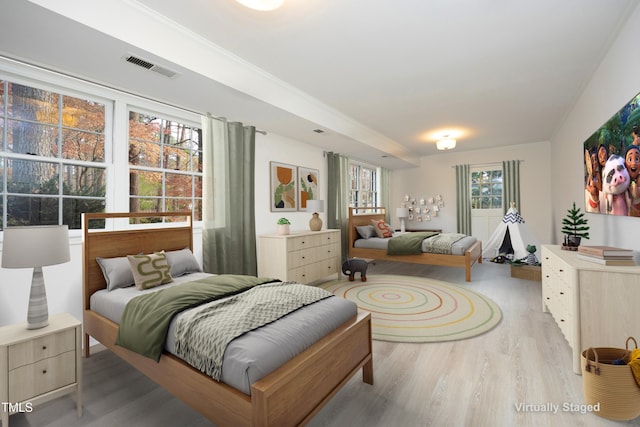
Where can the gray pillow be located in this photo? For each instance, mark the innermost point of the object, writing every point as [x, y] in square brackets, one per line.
[117, 272]
[366, 231]
[182, 262]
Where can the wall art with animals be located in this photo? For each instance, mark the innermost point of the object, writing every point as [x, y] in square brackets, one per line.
[612, 164]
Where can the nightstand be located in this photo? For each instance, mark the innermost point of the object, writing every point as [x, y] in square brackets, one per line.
[37, 365]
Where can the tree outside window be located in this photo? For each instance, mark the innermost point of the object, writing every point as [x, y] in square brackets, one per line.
[52, 156]
[165, 165]
[486, 189]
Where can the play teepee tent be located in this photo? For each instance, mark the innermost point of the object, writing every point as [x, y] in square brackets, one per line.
[512, 236]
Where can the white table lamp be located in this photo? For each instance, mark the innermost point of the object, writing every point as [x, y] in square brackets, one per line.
[402, 213]
[36, 247]
[315, 206]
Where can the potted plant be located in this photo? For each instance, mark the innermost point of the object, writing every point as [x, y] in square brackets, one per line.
[574, 227]
[283, 226]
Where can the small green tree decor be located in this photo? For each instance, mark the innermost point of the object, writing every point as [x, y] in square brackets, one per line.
[574, 227]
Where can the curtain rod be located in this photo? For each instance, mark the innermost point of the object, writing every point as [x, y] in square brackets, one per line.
[481, 165]
[208, 114]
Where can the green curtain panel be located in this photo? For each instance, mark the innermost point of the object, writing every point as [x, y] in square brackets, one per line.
[338, 197]
[463, 199]
[385, 199]
[511, 184]
[228, 211]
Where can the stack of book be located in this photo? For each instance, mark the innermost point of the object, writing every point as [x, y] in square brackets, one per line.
[606, 255]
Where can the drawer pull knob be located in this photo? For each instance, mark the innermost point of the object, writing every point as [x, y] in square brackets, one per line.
[302, 257]
[44, 371]
[44, 347]
[561, 293]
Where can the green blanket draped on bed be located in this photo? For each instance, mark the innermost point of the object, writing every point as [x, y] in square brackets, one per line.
[409, 243]
[146, 318]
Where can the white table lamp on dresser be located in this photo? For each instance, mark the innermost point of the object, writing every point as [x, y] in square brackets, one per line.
[35, 247]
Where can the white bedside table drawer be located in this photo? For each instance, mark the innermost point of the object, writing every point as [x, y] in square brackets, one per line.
[42, 376]
[28, 352]
[38, 365]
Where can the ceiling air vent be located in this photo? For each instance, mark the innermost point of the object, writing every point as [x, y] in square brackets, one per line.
[150, 66]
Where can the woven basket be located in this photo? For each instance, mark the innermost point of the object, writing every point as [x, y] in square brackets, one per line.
[612, 386]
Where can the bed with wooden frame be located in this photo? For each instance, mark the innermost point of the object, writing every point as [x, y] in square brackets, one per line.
[289, 396]
[357, 218]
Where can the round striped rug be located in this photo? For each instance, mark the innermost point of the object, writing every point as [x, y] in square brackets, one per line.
[415, 309]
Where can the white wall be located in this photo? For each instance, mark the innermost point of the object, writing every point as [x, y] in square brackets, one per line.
[280, 149]
[436, 175]
[615, 82]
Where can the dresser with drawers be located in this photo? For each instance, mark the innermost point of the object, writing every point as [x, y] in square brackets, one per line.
[594, 305]
[302, 256]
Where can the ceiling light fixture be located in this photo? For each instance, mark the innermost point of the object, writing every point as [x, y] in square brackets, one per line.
[263, 5]
[446, 143]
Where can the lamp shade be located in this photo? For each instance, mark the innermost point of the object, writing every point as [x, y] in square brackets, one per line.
[315, 205]
[35, 246]
[402, 212]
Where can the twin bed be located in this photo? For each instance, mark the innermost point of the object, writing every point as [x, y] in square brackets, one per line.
[464, 253]
[264, 382]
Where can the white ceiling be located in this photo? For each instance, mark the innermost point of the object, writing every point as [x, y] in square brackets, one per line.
[380, 78]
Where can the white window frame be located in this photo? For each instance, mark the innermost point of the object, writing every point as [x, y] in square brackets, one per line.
[357, 200]
[117, 106]
[161, 169]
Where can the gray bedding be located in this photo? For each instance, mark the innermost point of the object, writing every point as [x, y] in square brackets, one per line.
[458, 248]
[257, 353]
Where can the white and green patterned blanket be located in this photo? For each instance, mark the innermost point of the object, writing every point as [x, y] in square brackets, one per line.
[441, 244]
[202, 334]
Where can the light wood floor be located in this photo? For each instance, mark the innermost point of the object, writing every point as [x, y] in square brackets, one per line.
[474, 382]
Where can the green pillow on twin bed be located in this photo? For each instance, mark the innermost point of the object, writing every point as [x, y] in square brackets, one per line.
[150, 270]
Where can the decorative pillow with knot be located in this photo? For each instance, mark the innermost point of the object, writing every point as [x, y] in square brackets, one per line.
[382, 228]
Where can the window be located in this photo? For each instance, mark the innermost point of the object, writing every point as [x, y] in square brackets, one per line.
[486, 189]
[52, 156]
[364, 186]
[165, 165]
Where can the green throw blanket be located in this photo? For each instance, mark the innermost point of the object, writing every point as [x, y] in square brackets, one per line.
[409, 243]
[203, 333]
[146, 318]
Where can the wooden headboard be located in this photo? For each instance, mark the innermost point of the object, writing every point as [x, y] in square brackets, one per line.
[129, 241]
[363, 216]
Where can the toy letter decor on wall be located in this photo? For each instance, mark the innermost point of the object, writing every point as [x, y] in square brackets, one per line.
[612, 164]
